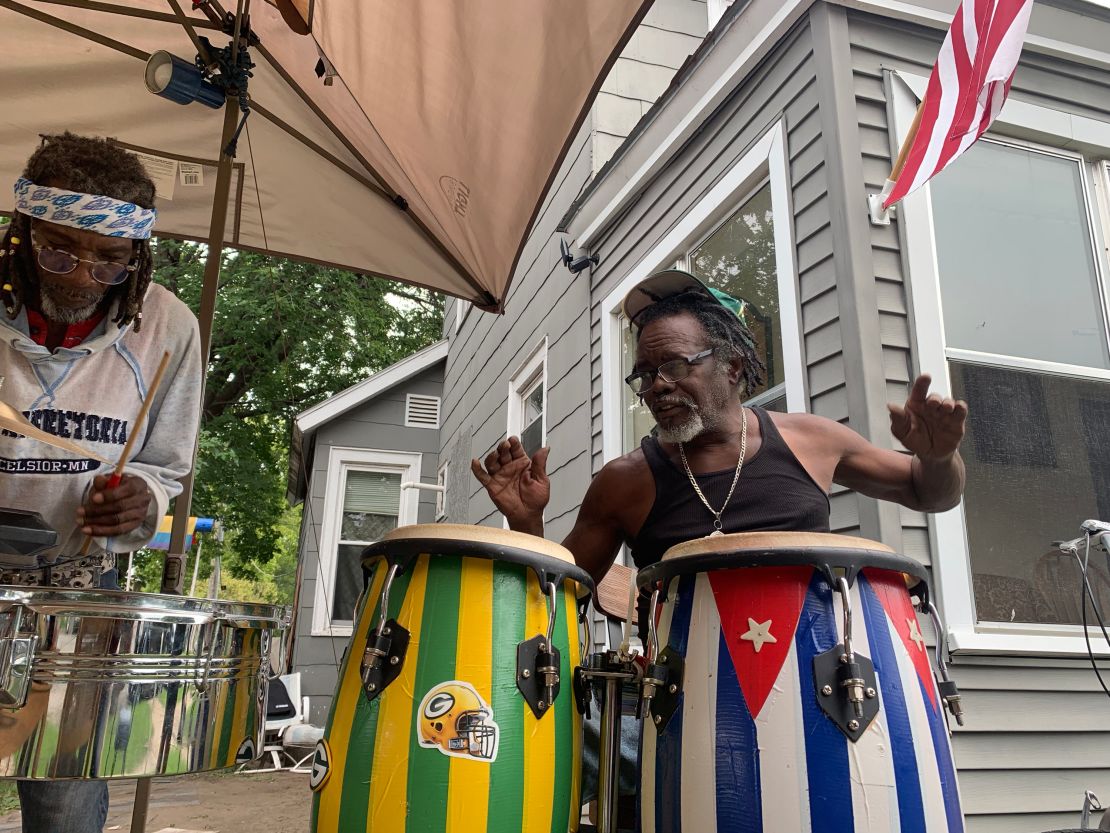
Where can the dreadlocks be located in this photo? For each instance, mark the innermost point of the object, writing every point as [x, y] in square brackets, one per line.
[91, 166]
[726, 332]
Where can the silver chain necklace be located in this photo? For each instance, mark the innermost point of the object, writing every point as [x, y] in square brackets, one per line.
[718, 527]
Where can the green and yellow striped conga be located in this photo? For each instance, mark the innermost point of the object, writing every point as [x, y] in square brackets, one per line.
[444, 720]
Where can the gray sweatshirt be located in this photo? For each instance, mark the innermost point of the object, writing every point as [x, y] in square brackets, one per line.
[91, 394]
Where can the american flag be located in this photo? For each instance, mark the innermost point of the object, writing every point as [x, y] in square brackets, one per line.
[966, 91]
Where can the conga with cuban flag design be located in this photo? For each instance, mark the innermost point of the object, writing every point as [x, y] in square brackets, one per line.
[454, 711]
[789, 689]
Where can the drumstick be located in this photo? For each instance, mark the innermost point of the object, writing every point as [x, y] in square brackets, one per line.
[117, 474]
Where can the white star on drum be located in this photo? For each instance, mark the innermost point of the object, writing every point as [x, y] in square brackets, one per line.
[758, 633]
[915, 634]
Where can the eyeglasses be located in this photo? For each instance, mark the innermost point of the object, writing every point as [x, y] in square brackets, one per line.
[60, 262]
[671, 371]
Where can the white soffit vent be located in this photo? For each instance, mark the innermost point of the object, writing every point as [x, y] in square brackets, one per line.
[421, 411]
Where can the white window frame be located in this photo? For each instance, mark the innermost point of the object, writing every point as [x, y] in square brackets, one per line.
[716, 10]
[947, 530]
[340, 461]
[441, 494]
[766, 161]
[532, 370]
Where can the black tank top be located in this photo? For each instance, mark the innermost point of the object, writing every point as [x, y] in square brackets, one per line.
[775, 492]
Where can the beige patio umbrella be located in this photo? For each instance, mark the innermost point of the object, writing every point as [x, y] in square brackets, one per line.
[412, 140]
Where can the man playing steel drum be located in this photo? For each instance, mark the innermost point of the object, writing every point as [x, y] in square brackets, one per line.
[82, 332]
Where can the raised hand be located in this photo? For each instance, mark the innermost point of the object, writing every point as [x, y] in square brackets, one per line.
[517, 484]
[929, 425]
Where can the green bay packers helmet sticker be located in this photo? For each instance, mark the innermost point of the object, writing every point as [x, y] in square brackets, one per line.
[321, 765]
[456, 720]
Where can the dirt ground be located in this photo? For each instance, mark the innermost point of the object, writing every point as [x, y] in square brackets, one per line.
[274, 802]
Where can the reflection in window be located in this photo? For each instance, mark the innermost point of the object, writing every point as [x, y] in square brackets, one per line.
[371, 505]
[531, 430]
[737, 258]
[1038, 464]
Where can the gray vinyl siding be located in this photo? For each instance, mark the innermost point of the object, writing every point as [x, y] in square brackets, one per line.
[670, 31]
[1037, 734]
[377, 424]
[545, 301]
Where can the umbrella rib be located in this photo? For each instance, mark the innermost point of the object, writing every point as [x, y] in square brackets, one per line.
[74, 29]
[112, 8]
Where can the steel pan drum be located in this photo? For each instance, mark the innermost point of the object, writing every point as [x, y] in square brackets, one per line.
[449, 727]
[761, 723]
[109, 684]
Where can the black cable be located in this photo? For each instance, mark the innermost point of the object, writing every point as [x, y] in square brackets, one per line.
[1084, 593]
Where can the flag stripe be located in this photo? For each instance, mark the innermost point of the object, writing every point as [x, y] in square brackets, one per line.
[469, 780]
[906, 775]
[830, 788]
[506, 790]
[429, 770]
[969, 83]
[737, 777]
[699, 712]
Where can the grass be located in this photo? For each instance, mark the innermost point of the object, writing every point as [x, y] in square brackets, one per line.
[9, 800]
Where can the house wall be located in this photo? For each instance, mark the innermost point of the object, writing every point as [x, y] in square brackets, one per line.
[1036, 734]
[669, 32]
[377, 424]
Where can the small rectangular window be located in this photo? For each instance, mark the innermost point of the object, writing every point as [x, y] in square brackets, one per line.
[371, 505]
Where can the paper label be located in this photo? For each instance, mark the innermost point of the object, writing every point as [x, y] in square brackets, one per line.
[191, 175]
[163, 171]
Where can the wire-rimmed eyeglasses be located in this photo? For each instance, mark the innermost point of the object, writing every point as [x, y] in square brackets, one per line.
[60, 262]
[671, 371]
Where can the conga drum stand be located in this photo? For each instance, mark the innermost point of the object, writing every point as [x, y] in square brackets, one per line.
[607, 673]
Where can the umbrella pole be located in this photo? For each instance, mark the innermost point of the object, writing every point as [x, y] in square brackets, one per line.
[173, 571]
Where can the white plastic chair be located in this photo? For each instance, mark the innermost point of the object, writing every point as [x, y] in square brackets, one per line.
[277, 731]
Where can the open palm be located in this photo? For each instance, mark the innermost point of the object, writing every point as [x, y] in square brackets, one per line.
[516, 483]
[929, 425]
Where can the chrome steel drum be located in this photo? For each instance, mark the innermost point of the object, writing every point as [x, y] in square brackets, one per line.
[108, 684]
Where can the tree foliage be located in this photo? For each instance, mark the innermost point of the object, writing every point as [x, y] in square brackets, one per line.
[286, 336]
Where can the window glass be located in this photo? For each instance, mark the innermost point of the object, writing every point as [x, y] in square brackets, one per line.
[371, 505]
[1017, 270]
[531, 433]
[1037, 450]
[739, 258]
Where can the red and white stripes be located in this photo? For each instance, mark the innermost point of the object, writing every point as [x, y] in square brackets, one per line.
[967, 89]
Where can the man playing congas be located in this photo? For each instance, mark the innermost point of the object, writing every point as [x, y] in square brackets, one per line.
[83, 334]
[718, 466]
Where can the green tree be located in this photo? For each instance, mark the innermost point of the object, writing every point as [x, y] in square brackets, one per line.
[286, 336]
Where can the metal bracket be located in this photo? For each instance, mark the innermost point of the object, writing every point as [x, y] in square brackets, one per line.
[830, 675]
[537, 673]
[666, 674]
[383, 657]
[582, 694]
[16, 656]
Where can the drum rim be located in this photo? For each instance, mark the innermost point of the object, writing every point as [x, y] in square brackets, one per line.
[492, 535]
[448, 546]
[102, 603]
[826, 559]
[772, 539]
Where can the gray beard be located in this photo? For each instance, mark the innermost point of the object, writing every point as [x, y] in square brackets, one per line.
[52, 311]
[698, 422]
[685, 432]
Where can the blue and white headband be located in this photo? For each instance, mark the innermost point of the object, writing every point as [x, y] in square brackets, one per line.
[104, 215]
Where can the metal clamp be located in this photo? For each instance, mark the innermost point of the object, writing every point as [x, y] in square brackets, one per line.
[17, 656]
[386, 645]
[537, 662]
[949, 693]
[841, 669]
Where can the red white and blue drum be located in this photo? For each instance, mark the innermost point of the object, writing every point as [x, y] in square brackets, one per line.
[748, 747]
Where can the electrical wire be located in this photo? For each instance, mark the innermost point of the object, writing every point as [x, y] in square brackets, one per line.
[1085, 593]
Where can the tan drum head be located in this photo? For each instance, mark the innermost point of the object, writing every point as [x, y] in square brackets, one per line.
[763, 541]
[480, 535]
